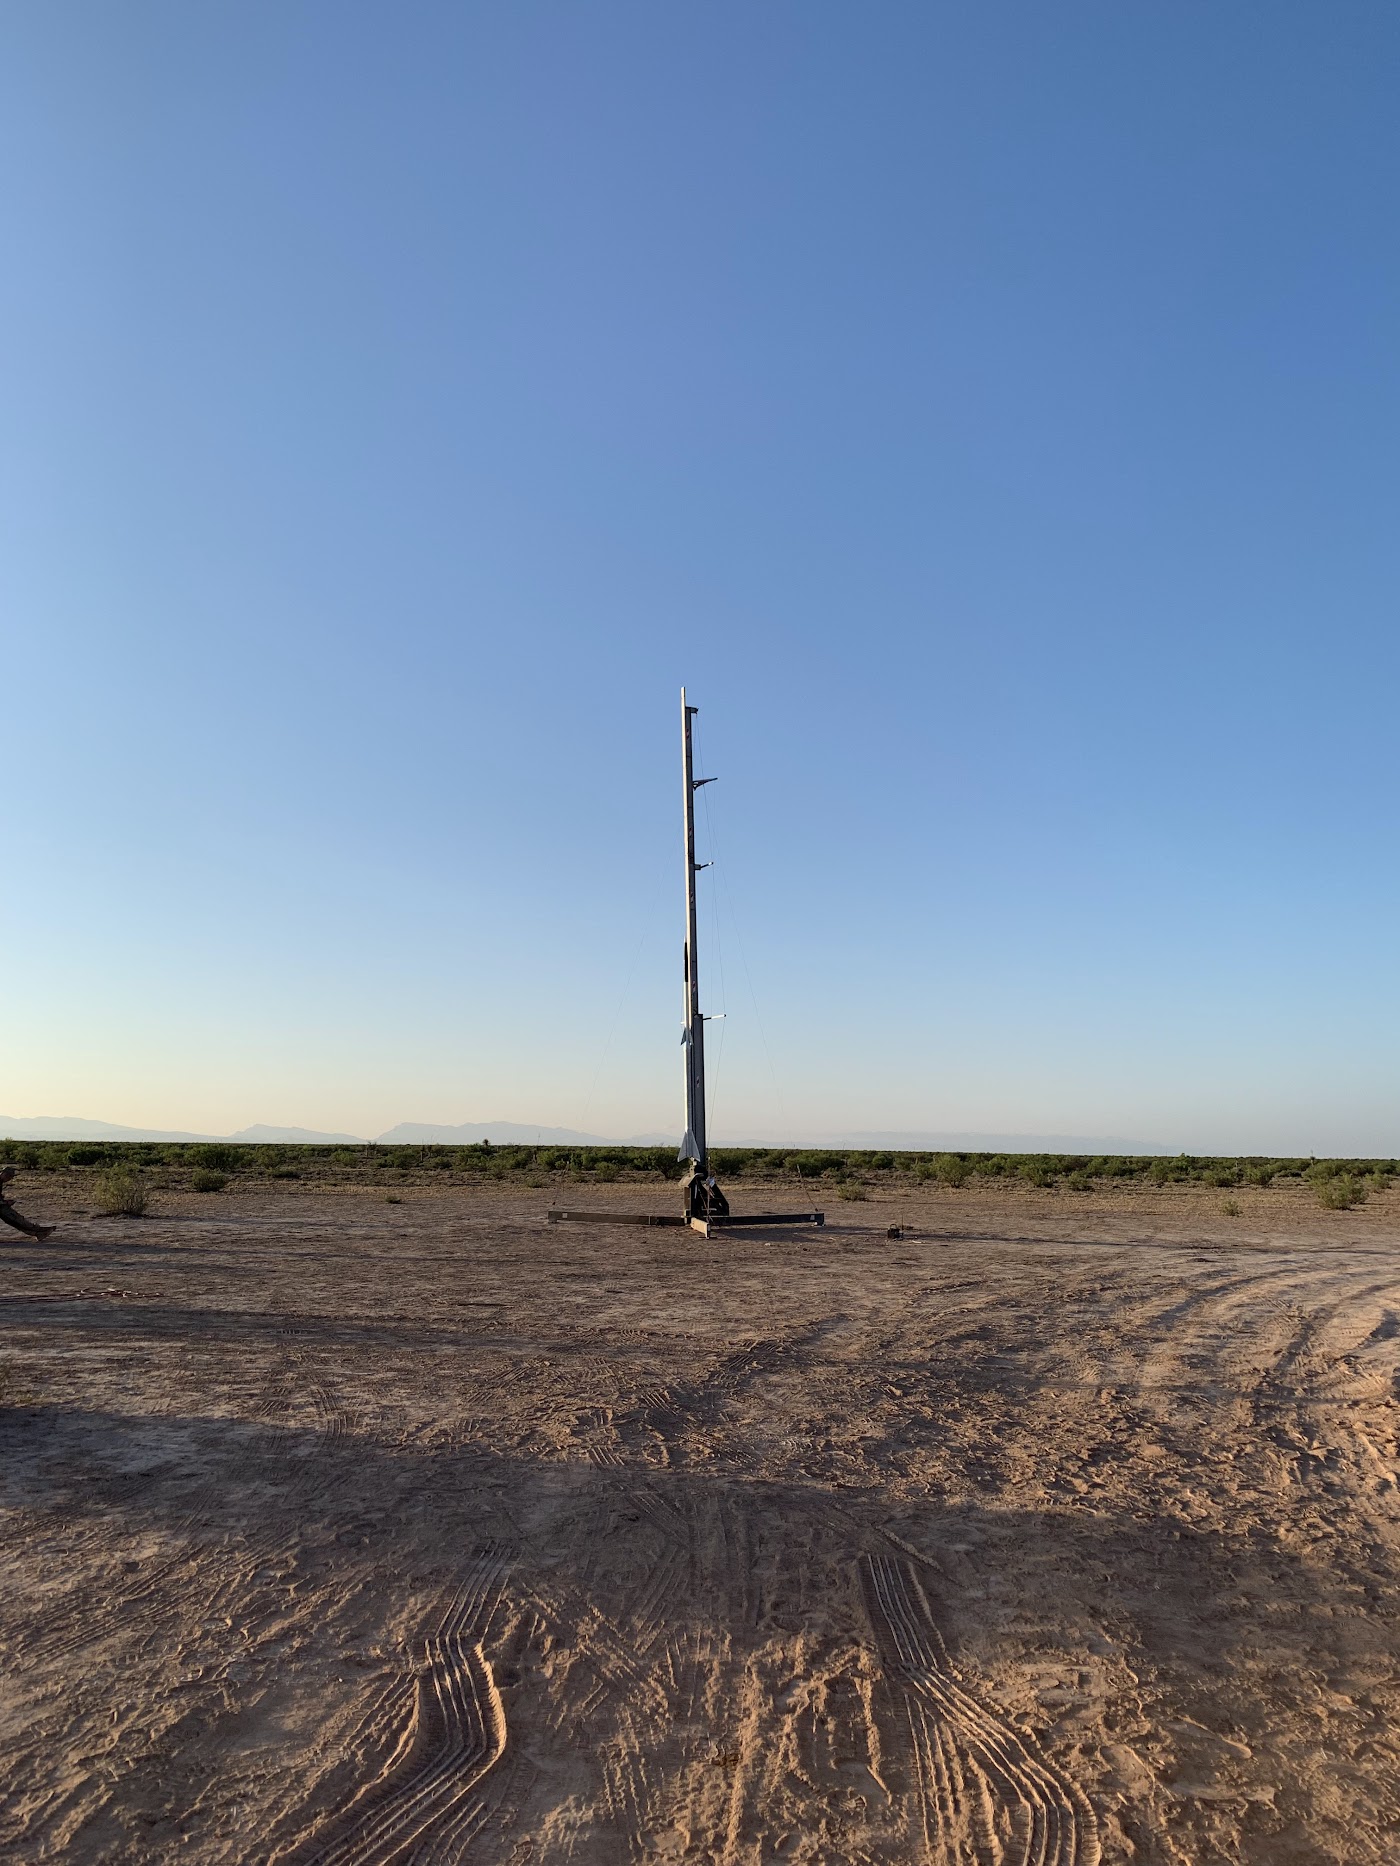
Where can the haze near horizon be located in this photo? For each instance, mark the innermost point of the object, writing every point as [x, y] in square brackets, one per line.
[990, 416]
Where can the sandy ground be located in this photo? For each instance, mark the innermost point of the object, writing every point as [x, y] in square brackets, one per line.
[344, 1531]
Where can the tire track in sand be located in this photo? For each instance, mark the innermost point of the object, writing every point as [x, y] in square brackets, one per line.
[986, 1788]
[423, 1804]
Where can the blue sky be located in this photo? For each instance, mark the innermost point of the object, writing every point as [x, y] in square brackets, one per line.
[990, 414]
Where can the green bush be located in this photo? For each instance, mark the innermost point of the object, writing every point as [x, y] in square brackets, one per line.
[1339, 1192]
[121, 1193]
[605, 1170]
[1037, 1173]
[1079, 1182]
[1220, 1176]
[218, 1156]
[84, 1156]
[850, 1189]
[207, 1180]
[730, 1162]
[951, 1169]
[1165, 1172]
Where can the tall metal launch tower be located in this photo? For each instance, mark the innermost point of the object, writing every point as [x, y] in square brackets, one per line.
[706, 1208]
[703, 1198]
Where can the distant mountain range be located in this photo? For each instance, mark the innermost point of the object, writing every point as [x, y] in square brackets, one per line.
[906, 1141]
[407, 1133]
[468, 1133]
[513, 1133]
[71, 1127]
[303, 1136]
[74, 1127]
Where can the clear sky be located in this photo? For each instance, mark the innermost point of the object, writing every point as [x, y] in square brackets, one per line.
[990, 412]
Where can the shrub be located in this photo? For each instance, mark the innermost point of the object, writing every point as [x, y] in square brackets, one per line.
[850, 1189]
[1220, 1176]
[952, 1171]
[218, 1156]
[121, 1193]
[1318, 1170]
[731, 1162]
[605, 1170]
[1231, 1207]
[1339, 1192]
[1259, 1175]
[1036, 1173]
[1166, 1172]
[84, 1156]
[207, 1180]
[1080, 1182]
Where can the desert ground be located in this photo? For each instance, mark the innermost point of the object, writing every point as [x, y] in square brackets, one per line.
[1060, 1528]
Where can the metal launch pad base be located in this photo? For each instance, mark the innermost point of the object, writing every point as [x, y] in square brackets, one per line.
[707, 1227]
